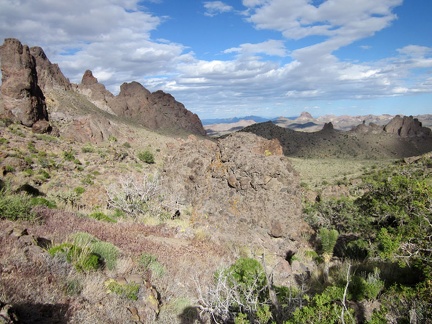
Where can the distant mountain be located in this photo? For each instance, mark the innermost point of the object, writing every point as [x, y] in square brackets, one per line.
[233, 120]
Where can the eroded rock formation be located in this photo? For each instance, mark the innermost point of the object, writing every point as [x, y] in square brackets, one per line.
[406, 127]
[248, 191]
[23, 100]
[157, 110]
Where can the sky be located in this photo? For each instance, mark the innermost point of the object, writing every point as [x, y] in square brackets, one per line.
[247, 57]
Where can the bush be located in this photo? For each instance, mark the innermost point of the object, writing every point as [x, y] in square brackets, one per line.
[150, 262]
[82, 258]
[135, 196]
[328, 240]
[102, 217]
[69, 155]
[108, 251]
[369, 288]
[323, 308]
[128, 291]
[146, 157]
[86, 252]
[239, 294]
[15, 206]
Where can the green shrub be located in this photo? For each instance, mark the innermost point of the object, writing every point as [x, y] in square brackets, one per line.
[146, 156]
[323, 308]
[82, 258]
[128, 291]
[79, 190]
[41, 201]
[88, 148]
[366, 288]
[108, 251]
[112, 139]
[15, 206]
[328, 240]
[9, 169]
[31, 147]
[73, 287]
[150, 262]
[86, 252]
[69, 155]
[102, 217]
[44, 174]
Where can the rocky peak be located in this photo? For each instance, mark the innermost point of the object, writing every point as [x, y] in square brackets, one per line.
[23, 100]
[305, 116]
[88, 78]
[49, 75]
[328, 126]
[157, 110]
[406, 127]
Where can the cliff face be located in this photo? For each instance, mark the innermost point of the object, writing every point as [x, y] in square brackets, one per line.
[28, 75]
[157, 110]
[23, 100]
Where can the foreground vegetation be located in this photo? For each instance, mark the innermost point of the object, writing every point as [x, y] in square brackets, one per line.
[371, 251]
[374, 257]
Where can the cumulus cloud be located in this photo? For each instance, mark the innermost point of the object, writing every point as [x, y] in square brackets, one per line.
[214, 8]
[114, 39]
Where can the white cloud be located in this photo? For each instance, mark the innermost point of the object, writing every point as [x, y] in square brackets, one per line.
[214, 8]
[113, 39]
[270, 47]
[342, 21]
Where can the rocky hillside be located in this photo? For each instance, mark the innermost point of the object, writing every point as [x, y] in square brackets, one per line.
[401, 137]
[31, 85]
[78, 174]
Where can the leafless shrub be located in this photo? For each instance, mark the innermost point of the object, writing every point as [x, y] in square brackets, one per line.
[225, 296]
[136, 196]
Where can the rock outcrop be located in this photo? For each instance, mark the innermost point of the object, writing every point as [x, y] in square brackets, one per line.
[407, 127]
[95, 91]
[23, 100]
[49, 75]
[157, 110]
[28, 76]
[247, 189]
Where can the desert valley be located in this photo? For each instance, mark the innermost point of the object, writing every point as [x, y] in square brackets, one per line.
[127, 209]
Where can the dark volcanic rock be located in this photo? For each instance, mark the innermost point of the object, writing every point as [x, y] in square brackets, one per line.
[95, 92]
[88, 79]
[407, 127]
[157, 110]
[23, 100]
[49, 75]
[243, 190]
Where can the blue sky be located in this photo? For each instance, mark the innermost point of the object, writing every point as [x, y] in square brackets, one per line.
[235, 58]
